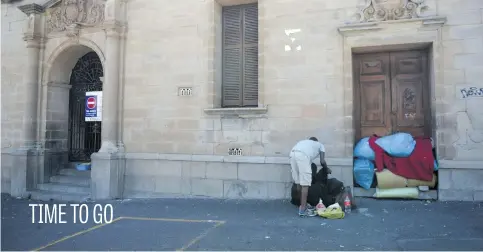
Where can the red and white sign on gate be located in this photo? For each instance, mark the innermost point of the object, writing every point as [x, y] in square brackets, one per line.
[91, 102]
[93, 106]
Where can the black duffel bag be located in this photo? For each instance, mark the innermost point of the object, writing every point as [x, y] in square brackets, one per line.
[329, 190]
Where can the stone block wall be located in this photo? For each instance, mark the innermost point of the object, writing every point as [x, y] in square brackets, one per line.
[461, 184]
[302, 89]
[7, 162]
[460, 126]
[12, 89]
[300, 79]
[13, 62]
[300, 95]
[154, 175]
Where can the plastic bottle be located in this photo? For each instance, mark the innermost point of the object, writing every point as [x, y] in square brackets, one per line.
[320, 207]
[347, 204]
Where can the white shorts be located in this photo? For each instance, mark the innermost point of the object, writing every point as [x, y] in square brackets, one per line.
[301, 168]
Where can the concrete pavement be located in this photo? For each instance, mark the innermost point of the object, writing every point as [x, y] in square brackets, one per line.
[210, 224]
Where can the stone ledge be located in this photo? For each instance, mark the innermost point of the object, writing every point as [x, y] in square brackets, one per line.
[7, 151]
[454, 164]
[107, 156]
[241, 112]
[370, 26]
[229, 159]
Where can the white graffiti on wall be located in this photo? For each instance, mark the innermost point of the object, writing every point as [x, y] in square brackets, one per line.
[291, 34]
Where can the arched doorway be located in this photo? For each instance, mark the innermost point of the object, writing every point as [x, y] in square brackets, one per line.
[84, 136]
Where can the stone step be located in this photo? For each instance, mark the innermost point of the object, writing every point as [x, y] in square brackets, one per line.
[73, 180]
[74, 172]
[57, 196]
[64, 188]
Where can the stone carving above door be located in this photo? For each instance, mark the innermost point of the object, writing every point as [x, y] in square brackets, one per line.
[67, 13]
[385, 10]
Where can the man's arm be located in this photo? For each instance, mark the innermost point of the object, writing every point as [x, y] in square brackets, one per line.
[322, 158]
[323, 163]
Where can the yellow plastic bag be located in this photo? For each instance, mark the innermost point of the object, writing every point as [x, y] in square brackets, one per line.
[332, 212]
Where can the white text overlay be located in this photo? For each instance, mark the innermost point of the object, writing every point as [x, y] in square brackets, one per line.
[79, 213]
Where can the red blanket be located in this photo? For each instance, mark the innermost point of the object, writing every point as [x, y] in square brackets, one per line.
[419, 165]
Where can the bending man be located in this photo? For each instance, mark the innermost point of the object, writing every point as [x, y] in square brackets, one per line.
[301, 158]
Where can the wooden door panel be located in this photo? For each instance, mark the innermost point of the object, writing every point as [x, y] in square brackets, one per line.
[373, 104]
[372, 95]
[408, 97]
[409, 88]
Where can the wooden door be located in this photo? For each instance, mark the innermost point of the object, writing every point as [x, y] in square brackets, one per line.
[372, 95]
[390, 94]
[410, 96]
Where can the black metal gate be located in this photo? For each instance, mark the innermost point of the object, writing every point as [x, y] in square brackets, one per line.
[84, 137]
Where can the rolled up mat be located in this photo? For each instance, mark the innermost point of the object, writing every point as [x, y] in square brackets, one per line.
[386, 180]
[400, 193]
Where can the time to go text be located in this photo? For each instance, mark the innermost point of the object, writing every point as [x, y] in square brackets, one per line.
[59, 214]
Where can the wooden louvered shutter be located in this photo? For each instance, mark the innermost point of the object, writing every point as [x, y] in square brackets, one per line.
[240, 56]
[250, 55]
[232, 56]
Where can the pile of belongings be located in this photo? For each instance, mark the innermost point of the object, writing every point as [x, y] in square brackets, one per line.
[401, 163]
[331, 191]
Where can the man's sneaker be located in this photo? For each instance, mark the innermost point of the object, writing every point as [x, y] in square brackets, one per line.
[311, 208]
[307, 213]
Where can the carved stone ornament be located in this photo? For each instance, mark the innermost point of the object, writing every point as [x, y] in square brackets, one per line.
[79, 12]
[73, 32]
[385, 10]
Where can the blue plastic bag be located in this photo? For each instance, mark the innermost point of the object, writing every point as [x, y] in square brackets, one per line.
[363, 150]
[436, 165]
[397, 145]
[364, 172]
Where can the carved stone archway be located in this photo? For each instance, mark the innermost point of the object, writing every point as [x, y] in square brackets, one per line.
[54, 129]
[57, 34]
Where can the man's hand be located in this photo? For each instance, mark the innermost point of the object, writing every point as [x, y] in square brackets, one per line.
[324, 165]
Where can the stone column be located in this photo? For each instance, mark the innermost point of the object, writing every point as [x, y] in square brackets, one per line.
[32, 37]
[25, 166]
[108, 165]
[110, 91]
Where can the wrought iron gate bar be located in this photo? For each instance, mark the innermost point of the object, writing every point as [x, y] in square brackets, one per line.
[84, 137]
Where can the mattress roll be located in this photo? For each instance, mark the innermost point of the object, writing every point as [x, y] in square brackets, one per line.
[397, 193]
[387, 180]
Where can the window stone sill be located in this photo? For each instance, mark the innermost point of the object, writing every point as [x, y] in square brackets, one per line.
[242, 112]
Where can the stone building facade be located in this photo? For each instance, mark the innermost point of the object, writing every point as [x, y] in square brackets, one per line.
[196, 105]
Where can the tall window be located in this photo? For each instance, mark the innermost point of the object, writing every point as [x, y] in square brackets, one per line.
[240, 56]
